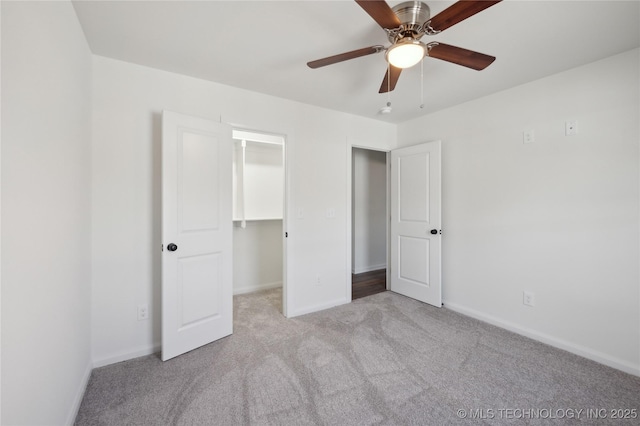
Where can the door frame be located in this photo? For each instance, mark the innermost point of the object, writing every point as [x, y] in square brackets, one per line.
[286, 152]
[350, 146]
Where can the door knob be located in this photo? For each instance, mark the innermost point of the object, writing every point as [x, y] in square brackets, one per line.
[172, 247]
[434, 231]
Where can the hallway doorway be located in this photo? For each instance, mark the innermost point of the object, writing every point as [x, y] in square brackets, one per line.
[368, 222]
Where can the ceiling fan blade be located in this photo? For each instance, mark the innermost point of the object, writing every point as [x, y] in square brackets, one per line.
[380, 11]
[390, 79]
[460, 56]
[458, 12]
[345, 56]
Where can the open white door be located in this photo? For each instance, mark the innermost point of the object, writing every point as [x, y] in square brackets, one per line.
[415, 222]
[197, 286]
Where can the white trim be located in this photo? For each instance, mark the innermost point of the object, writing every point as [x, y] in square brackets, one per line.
[75, 406]
[1, 224]
[256, 219]
[582, 351]
[320, 307]
[388, 220]
[370, 268]
[257, 287]
[125, 356]
[348, 288]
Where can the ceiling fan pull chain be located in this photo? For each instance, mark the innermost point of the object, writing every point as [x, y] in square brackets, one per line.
[388, 84]
[422, 83]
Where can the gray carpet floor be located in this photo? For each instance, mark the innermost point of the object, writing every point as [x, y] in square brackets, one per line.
[383, 359]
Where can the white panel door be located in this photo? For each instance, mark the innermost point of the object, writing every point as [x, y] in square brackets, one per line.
[415, 222]
[197, 286]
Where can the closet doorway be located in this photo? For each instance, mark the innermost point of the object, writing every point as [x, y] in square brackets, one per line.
[369, 213]
[258, 212]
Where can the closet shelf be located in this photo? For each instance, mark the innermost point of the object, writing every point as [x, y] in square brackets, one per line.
[256, 219]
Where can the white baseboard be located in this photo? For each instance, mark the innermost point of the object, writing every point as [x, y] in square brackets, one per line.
[369, 268]
[125, 356]
[257, 287]
[319, 307]
[582, 351]
[75, 407]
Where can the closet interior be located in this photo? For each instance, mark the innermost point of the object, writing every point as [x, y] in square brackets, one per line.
[258, 205]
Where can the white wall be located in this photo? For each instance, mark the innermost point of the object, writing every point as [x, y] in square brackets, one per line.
[263, 181]
[257, 256]
[558, 217]
[46, 73]
[369, 210]
[127, 103]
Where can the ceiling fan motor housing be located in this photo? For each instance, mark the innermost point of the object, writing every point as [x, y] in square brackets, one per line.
[413, 15]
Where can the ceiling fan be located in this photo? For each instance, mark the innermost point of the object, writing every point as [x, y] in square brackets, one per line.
[405, 24]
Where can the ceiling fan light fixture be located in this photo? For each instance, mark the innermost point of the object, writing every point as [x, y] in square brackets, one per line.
[406, 53]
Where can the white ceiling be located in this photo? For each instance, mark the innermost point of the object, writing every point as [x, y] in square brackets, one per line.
[264, 46]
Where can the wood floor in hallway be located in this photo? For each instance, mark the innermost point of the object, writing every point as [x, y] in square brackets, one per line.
[368, 283]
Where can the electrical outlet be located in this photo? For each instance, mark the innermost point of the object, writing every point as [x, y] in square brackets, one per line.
[570, 128]
[528, 136]
[143, 312]
[528, 298]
